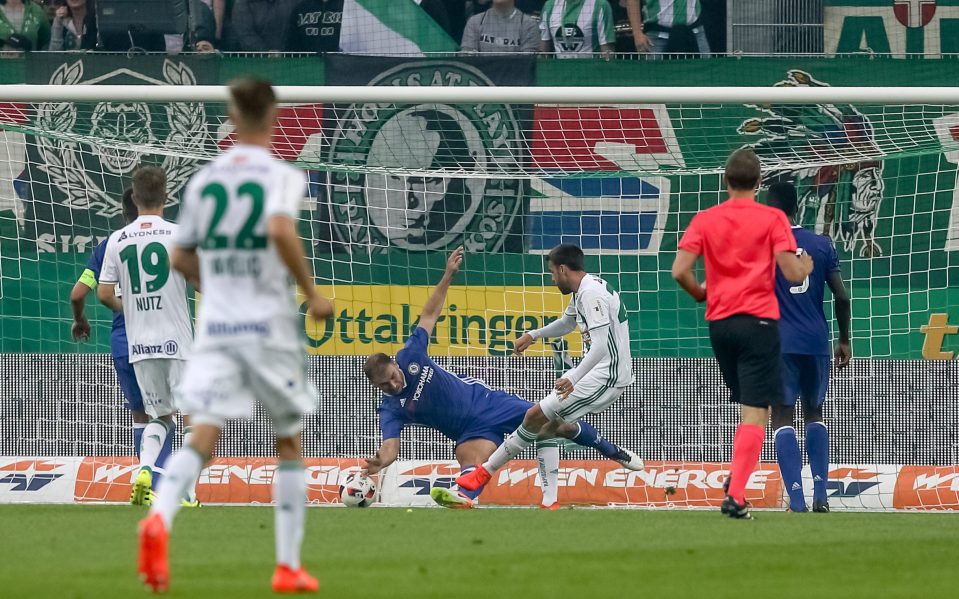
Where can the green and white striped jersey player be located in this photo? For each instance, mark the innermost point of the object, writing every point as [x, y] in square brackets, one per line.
[653, 21]
[595, 383]
[154, 304]
[577, 28]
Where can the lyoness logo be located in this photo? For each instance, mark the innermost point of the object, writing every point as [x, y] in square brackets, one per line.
[430, 168]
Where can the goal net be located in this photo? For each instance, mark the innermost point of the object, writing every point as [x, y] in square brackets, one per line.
[395, 184]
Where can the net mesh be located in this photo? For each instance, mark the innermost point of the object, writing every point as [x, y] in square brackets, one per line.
[394, 187]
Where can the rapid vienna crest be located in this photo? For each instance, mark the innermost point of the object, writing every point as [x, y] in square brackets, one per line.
[115, 138]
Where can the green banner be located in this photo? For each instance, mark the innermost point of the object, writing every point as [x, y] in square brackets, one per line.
[880, 181]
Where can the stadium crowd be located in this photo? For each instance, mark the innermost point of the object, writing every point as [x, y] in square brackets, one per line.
[566, 28]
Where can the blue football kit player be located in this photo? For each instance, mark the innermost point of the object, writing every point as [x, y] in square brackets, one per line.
[418, 391]
[126, 377]
[804, 333]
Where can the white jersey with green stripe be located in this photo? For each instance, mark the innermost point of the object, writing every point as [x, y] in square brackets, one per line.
[577, 28]
[596, 304]
[670, 13]
[137, 260]
[247, 295]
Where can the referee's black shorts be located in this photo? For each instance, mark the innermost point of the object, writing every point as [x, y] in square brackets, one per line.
[747, 349]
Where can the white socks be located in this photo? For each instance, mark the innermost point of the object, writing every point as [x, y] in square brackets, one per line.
[289, 494]
[548, 458]
[191, 490]
[182, 471]
[154, 434]
[509, 449]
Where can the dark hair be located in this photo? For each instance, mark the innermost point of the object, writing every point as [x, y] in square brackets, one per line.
[149, 187]
[742, 169]
[375, 364]
[783, 196]
[252, 100]
[130, 210]
[568, 255]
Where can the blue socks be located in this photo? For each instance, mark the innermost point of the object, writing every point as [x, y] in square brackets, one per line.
[588, 436]
[137, 437]
[790, 465]
[167, 449]
[817, 447]
[470, 494]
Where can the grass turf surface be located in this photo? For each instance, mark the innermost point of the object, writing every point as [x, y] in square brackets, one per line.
[90, 552]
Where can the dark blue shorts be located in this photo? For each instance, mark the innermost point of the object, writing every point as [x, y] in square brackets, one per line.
[499, 414]
[806, 377]
[128, 383]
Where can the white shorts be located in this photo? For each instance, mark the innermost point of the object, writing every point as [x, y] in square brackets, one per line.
[223, 383]
[159, 379]
[590, 395]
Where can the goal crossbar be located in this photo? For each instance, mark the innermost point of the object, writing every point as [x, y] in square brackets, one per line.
[513, 94]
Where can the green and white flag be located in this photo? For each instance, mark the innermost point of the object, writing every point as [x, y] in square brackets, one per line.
[391, 27]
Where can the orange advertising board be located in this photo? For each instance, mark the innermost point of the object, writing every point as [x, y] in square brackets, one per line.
[224, 480]
[926, 488]
[602, 482]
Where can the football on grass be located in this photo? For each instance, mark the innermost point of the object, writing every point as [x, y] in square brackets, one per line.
[357, 490]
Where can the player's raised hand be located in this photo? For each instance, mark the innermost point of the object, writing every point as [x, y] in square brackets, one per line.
[843, 355]
[454, 261]
[80, 329]
[320, 308]
[564, 387]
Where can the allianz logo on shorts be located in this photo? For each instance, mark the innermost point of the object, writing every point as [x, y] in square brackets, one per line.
[169, 348]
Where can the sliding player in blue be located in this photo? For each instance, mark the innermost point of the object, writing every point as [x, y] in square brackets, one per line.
[418, 391]
[804, 334]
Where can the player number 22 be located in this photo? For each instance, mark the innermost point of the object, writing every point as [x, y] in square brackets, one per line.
[804, 287]
[246, 239]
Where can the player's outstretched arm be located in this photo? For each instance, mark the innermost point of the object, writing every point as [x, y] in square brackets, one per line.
[434, 305]
[281, 230]
[843, 317]
[683, 274]
[559, 327]
[107, 294]
[384, 456]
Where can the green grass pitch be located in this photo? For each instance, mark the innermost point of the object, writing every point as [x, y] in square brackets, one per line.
[90, 552]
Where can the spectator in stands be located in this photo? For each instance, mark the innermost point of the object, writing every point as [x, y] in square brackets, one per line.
[23, 26]
[572, 32]
[74, 27]
[261, 25]
[667, 26]
[204, 25]
[501, 28]
[315, 26]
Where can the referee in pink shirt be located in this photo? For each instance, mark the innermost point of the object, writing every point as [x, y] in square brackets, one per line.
[741, 242]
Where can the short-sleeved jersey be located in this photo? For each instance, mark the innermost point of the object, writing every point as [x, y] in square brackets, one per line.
[154, 299]
[432, 396]
[248, 296]
[739, 240]
[577, 28]
[491, 31]
[803, 328]
[118, 331]
[597, 305]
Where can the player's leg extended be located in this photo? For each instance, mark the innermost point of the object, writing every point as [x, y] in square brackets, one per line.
[787, 444]
[289, 496]
[154, 437]
[585, 434]
[182, 471]
[469, 453]
[515, 443]
[817, 435]
[132, 397]
[152, 376]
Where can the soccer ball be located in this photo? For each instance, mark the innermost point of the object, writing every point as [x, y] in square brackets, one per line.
[357, 490]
